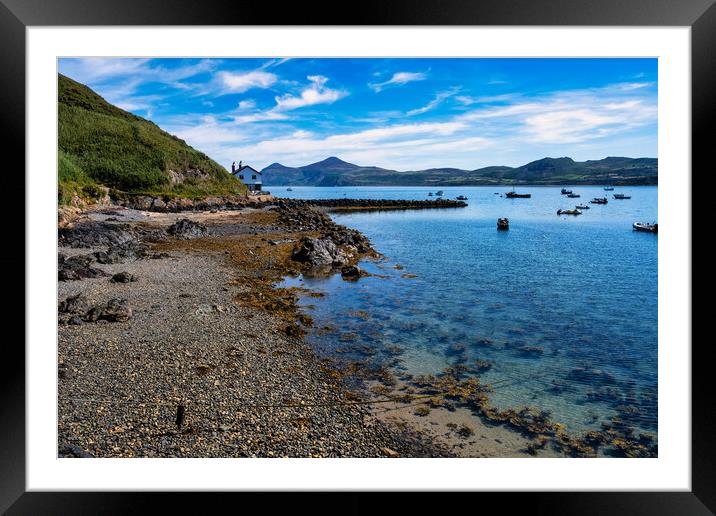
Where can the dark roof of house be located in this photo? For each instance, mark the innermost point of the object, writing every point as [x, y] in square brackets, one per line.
[244, 167]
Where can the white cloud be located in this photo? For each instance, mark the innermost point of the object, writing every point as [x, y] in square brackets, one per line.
[247, 104]
[239, 82]
[398, 79]
[315, 93]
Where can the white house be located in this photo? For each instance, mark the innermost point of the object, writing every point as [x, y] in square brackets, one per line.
[248, 175]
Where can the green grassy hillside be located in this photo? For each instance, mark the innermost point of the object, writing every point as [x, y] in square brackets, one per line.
[103, 145]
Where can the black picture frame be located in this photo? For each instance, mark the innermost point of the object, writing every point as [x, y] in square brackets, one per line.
[17, 15]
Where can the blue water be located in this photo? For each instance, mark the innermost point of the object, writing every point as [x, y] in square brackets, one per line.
[582, 289]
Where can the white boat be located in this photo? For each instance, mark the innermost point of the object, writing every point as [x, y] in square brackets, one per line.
[646, 227]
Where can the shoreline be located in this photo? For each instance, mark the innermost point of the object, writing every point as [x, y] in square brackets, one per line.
[254, 246]
[207, 331]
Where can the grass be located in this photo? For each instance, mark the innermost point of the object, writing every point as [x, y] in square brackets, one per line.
[103, 145]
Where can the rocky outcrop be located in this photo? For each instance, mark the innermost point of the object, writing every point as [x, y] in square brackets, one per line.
[319, 252]
[187, 229]
[76, 268]
[352, 273]
[166, 205]
[77, 310]
[122, 277]
[96, 234]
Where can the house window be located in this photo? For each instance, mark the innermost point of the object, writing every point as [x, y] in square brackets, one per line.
[253, 176]
[241, 176]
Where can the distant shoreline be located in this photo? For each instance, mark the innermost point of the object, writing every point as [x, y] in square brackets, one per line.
[496, 185]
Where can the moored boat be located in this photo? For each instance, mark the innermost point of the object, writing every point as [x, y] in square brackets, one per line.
[599, 200]
[565, 191]
[461, 198]
[573, 195]
[515, 195]
[430, 194]
[646, 227]
[608, 188]
[289, 189]
[569, 212]
[621, 196]
[439, 193]
[581, 207]
[503, 224]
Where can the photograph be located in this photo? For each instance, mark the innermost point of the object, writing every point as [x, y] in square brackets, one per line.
[357, 257]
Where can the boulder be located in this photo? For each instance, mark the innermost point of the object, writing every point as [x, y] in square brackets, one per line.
[73, 305]
[122, 277]
[187, 229]
[77, 268]
[96, 234]
[352, 272]
[318, 252]
[116, 310]
[122, 253]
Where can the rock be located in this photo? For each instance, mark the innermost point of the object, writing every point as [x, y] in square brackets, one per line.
[73, 305]
[116, 310]
[77, 268]
[66, 450]
[319, 252]
[187, 229]
[96, 234]
[122, 253]
[122, 277]
[75, 320]
[352, 272]
[389, 453]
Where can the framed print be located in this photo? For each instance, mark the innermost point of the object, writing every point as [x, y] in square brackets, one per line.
[448, 251]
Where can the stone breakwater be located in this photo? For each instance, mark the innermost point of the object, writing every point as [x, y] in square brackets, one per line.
[381, 204]
[161, 205]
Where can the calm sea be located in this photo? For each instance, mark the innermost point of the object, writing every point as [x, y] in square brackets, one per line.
[564, 307]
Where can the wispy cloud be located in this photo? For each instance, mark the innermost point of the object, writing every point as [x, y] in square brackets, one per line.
[398, 79]
[571, 116]
[439, 98]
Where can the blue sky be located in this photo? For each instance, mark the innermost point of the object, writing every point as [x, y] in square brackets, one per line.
[406, 114]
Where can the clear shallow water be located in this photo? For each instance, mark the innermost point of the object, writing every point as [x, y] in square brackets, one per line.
[583, 290]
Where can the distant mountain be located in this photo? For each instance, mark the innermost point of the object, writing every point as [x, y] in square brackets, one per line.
[336, 172]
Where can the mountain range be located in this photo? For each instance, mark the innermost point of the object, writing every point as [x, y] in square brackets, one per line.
[336, 172]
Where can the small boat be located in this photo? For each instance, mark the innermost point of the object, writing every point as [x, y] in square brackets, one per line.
[565, 191]
[599, 200]
[646, 227]
[569, 212]
[497, 193]
[430, 194]
[581, 207]
[503, 224]
[608, 188]
[461, 198]
[515, 195]
[573, 195]
[439, 193]
[621, 196]
[289, 189]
